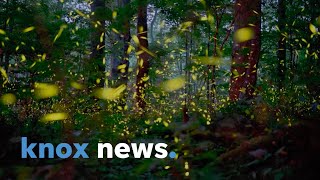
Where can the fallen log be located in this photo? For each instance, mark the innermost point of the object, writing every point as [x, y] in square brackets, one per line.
[245, 147]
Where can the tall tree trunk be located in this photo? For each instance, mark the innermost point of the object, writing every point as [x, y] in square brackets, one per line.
[97, 44]
[212, 68]
[120, 56]
[281, 43]
[143, 58]
[115, 58]
[125, 55]
[246, 54]
[126, 41]
[187, 72]
[152, 25]
[1, 50]
[5, 54]
[208, 79]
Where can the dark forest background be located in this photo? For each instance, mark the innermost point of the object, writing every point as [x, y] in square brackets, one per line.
[232, 86]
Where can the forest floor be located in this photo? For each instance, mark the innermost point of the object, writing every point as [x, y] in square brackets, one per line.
[233, 148]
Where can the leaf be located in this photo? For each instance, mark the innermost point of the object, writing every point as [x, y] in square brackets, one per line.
[173, 84]
[54, 117]
[143, 167]
[43, 90]
[8, 99]
[28, 29]
[313, 28]
[244, 34]
[110, 93]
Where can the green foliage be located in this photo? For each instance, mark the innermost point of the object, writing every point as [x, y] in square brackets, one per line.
[50, 42]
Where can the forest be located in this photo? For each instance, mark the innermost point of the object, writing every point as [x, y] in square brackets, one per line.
[231, 86]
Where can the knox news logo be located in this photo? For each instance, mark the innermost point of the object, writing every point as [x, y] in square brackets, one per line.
[105, 150]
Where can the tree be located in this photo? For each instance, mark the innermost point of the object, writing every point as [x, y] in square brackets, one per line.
[120, 44]
[126, 40]
[143, 57]
[246, 49]
[97, 42]
[281, 43]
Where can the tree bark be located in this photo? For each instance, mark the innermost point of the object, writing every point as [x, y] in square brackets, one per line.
[152, 25]
[143, 58]
[245, 55]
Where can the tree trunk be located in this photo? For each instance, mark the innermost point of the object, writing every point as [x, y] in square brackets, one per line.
[5, 54]
[121, 42]
[281, 43]
[152, 25]
[97, 44]
[187, 72]
[246, 54]
[143, 58]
